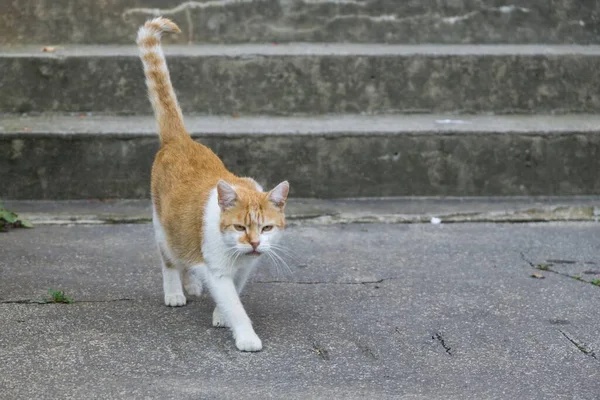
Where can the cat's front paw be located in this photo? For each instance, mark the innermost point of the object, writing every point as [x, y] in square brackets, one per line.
[175, 300]
[248, 342]
[219, 320]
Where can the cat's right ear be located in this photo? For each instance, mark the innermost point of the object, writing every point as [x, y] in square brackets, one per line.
[226, 194]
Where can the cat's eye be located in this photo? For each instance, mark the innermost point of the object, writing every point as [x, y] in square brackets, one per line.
[240, 228]
[267, 228]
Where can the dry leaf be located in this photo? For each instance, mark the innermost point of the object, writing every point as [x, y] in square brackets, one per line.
[48, 49]
[26, 129]
[236, 115]
[537, 276]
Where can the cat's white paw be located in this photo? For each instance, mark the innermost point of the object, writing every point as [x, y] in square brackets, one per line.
[175, 300]
[248, 342]
[193, 288]
[219, 320]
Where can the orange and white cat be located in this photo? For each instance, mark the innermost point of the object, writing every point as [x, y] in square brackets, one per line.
[211, 226]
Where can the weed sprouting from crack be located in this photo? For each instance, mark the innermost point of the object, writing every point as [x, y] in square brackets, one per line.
[58, 296]
[543, 267]
[55, 297]
[546, 267]
[9, 220]
[320, 351]
[43, 301]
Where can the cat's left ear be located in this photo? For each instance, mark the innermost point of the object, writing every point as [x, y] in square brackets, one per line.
[279, 194]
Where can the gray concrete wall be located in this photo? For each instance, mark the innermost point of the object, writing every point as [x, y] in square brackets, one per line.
[379, 73]
[38, 166]
[366, 21]
[298, 79]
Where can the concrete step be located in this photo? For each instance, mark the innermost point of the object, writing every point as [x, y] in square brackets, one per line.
[71, 157]
[309, 79]
[402, 210]
[382, 21]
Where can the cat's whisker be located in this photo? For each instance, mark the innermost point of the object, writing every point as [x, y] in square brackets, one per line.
[282, 261]
[287, 252]
[234, 257]
[229, 254]
[237, 255]
[279, 266]
[283, 250]
[274, 262]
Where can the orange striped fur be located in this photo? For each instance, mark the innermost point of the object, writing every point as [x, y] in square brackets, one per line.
[184, 171]
[211, 226]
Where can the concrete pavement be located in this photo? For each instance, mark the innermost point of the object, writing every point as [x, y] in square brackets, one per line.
[416, 311]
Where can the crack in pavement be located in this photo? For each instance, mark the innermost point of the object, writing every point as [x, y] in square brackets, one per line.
[532, 265]
[367, 352]
[546, 268]
[44, 302]
[438, 336]
[582, 348]
[328, 283]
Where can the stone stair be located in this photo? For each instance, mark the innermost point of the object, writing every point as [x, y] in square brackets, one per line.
[319, 21]
[382, 98]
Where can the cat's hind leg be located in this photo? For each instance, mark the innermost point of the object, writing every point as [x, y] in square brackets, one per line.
[172, 287]
[192, 280]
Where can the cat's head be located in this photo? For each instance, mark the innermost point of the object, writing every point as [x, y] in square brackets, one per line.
[252, 221]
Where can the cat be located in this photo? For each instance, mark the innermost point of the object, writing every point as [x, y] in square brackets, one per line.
[211, 226]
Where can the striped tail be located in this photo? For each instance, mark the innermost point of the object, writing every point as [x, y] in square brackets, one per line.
[160, 90]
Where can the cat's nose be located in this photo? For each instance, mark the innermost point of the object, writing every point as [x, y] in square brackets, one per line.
[254, 244]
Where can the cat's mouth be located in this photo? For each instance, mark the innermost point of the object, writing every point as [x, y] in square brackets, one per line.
[254, 253]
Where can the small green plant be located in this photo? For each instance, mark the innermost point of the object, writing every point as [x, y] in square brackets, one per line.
[577, 277]
[543, 267]
[595, 282]
[9, 220]
[57, 296]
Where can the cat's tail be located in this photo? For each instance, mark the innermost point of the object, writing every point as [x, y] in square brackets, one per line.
[160, 90]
